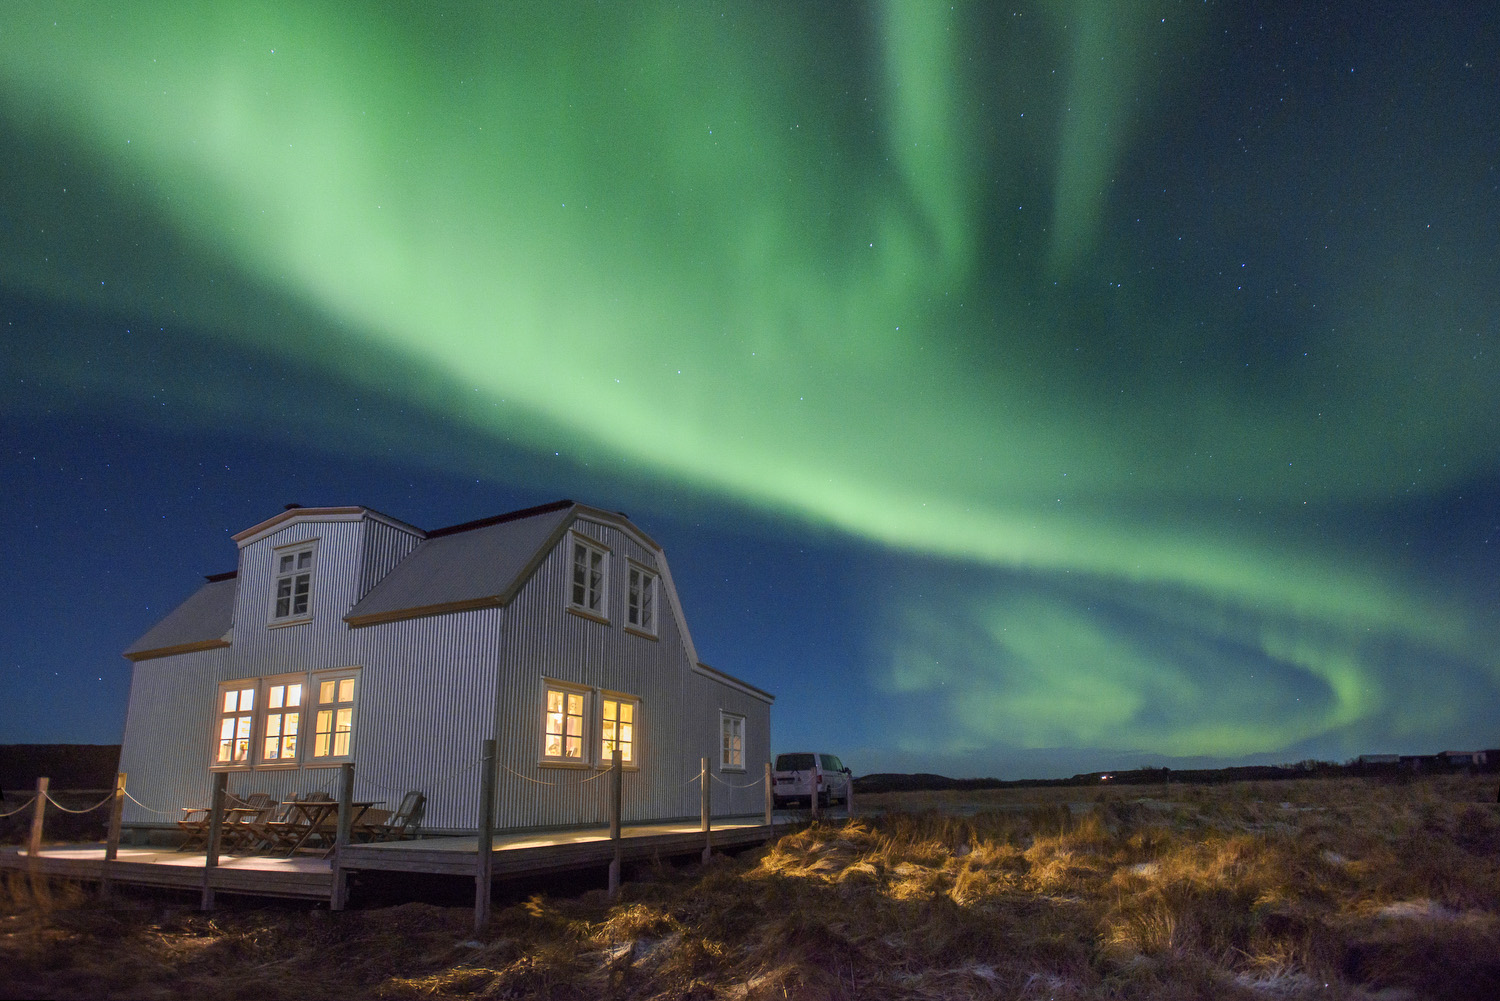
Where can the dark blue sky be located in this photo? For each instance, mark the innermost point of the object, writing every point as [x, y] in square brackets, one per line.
[1014, 392]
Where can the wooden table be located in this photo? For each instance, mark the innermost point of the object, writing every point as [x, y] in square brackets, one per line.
[316, 812]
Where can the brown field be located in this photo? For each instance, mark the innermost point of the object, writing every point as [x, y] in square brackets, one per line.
[1317, 888]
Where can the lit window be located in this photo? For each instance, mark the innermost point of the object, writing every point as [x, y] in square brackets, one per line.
[333, 729]
[586, 591]
[617, 728]
[236, 719]
[283, 719]
[562, 725]
[640, 604]
[294, 571]
[731, 741]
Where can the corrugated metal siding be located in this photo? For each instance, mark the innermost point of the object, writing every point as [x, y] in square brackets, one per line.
[310, 646]
[543, 640]
[426, 707]
[168, 727]
[384, 546]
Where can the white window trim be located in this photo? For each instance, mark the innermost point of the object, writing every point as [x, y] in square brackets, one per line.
[314, 705]
[607, 760]
[264, 712]
[591, 546]
[652, 587]
[277, 576]
[566, 688]
[306, 722]
[239, 685]
[728, 717]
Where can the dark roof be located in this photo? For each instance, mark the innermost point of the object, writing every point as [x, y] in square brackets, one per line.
[199, 623]
[473, 565]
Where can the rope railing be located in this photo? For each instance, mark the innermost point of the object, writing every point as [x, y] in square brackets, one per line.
[528, 778]
[732, 785]
[150, 809]
[23, 806]
[89, 809]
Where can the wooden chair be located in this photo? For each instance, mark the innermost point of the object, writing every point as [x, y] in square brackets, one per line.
[371, 824]
[199, 819]
[405, 823]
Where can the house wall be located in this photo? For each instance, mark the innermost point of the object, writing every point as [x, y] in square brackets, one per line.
[543, 640]
[432, 689]
[167, 742]
[384, 546]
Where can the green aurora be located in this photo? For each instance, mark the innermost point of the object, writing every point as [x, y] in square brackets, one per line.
[933, 278]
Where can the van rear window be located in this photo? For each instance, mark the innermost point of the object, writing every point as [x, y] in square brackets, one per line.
[794, 762]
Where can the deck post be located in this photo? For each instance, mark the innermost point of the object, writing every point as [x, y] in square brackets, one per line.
[484, 861]
[812, 798]
[215, 833]
[849, 798]
[703, 810]
[112, 840]
[339, 892]
[38, 816]
[770, 800]
[615, 795]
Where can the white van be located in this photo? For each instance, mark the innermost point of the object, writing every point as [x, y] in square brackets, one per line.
[795, 777]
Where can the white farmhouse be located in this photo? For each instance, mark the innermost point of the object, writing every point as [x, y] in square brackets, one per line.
[348, 636]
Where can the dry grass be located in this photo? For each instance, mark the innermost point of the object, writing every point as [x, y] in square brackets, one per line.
[1335, 889]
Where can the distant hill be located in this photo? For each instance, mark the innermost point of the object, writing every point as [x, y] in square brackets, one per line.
[69, 766]
[1406, 766]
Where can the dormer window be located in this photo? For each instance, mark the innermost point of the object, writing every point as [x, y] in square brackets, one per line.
[586, 590]
[294, 573]
[640, 600]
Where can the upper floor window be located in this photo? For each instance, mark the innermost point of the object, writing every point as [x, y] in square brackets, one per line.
[294, 572]
[587, 589]
[640, 603]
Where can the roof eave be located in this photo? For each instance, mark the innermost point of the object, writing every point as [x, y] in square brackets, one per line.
[170, 651]
[423, 611]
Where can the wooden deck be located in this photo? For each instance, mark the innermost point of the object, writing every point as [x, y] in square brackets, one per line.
[312, 878]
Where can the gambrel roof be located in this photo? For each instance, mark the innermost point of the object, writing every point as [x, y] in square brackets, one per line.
[477, 564]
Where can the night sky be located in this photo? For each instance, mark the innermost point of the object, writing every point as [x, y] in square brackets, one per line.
[1015, 390]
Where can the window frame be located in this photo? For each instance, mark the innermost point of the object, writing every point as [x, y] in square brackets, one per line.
[295, 551]
[263, 719]
[650, 593]
[313, 701]
[222, 715]
[591, 547]
[726, 764]
[620, 699]
[565, 689]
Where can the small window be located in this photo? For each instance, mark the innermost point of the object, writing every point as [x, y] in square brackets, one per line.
[586, 591]
[562, 725]
[236, 720]
[333, 720]
[283, 716]
[640, 603]
[731, 741]
[294, 572]
[618, 729]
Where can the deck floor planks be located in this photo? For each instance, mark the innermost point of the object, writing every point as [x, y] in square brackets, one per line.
[312, 877]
